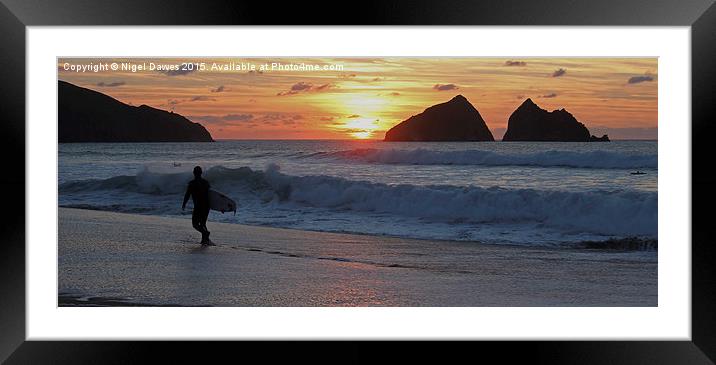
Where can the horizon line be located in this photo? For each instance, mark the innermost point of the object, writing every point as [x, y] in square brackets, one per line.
[381, 140]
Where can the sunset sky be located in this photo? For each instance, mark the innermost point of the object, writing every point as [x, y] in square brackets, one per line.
[370, 95]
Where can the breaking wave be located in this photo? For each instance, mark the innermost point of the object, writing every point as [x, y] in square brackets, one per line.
[420, 156]
[620, 213]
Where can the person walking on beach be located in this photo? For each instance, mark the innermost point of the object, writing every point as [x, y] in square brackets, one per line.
[198, 189]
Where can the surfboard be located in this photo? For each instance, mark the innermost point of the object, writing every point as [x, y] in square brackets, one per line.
[220, 202]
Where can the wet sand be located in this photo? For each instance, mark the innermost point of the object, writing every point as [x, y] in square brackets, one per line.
[115, 259]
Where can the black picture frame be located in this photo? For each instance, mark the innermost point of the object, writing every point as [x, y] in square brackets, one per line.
[700, 15]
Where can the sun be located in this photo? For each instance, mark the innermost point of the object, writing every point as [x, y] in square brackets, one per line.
[362, 134]
[360, 128]
[361, 114]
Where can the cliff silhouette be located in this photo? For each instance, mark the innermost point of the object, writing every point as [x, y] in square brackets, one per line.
[85, 115]
[529, 122]
[455, 120]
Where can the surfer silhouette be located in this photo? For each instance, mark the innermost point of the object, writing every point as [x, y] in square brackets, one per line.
[198, 189]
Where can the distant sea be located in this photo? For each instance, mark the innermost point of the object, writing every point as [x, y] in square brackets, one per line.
[521, 193]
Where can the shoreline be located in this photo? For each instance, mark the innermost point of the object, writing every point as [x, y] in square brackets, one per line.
[625, 244]
[118, 259]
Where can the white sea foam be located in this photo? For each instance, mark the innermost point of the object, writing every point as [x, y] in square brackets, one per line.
[610, 213]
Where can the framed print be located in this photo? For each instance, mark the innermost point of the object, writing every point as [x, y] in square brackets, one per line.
[503, 176]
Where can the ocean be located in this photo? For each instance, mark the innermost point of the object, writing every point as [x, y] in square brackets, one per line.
[516, 193]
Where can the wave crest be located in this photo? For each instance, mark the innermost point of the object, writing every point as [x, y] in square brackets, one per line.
[420, 156]
[624, 213]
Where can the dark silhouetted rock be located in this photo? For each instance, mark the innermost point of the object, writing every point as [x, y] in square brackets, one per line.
[603, 138]
[455, 120]
[85, 115]
[532, 123]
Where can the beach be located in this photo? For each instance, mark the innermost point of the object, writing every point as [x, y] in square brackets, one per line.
[120, 259]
